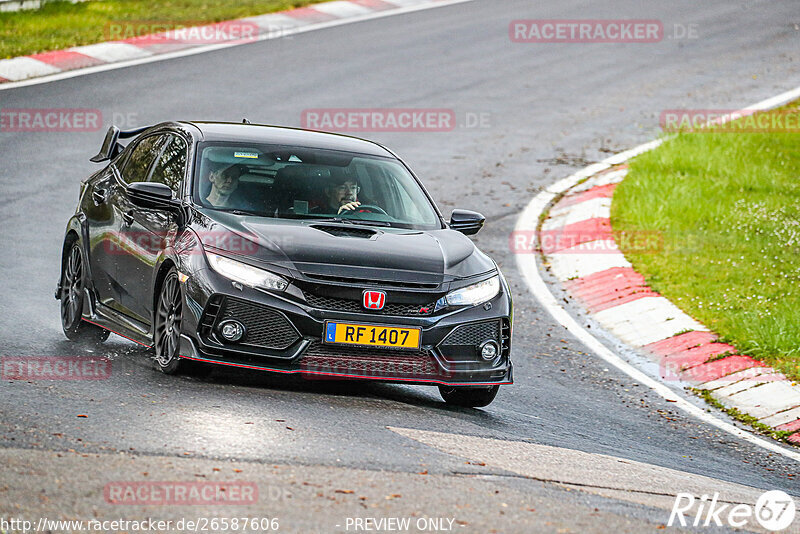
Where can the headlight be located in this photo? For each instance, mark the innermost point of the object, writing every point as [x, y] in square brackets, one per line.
[474, 294]
[246, 274]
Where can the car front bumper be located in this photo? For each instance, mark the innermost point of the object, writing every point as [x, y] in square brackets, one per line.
[284, 335]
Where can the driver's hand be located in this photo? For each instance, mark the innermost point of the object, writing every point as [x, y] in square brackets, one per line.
[350, 206]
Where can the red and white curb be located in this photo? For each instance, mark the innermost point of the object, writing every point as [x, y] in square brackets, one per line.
[583, 255]
[578, 246]
[142, 49]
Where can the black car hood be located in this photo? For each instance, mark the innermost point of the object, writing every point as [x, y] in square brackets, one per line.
[345, 250]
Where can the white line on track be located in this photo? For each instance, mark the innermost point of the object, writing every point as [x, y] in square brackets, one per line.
[528, 221]
[202, 49]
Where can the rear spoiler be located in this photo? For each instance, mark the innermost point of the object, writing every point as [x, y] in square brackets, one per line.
[111, 147]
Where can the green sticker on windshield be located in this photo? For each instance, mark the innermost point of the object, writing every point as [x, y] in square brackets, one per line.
[249, 155]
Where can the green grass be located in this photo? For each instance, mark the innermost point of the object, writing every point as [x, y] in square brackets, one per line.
[761, 428]
[60, 25]
[728, 207]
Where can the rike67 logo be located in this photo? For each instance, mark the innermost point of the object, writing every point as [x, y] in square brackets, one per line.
[774, 511]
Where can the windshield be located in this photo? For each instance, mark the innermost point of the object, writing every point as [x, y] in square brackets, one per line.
[307, 183]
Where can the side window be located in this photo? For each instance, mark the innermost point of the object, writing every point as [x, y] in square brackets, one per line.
[137, 167]
[170, 168]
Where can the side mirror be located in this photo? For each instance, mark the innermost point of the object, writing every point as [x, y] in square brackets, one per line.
[467, 222]
[151, 195]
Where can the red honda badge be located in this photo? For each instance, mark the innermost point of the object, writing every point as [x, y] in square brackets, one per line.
[373, 300]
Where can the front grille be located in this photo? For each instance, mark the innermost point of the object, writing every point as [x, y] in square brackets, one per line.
[322, 358]
[371, 283]
[264, 327]
[461, 344]
[354, 306]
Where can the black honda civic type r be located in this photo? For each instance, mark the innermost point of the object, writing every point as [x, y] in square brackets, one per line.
[283, 250]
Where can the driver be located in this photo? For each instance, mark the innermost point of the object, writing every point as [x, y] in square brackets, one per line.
[342, 195]
[224, 183]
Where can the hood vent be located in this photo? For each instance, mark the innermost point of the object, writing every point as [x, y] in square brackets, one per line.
[345, 231]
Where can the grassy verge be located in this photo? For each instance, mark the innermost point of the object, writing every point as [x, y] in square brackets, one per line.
[761, 428]
[727, 206]
[60, 25]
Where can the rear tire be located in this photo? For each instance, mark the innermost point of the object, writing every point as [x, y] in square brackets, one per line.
[468, 396]
[73, 294]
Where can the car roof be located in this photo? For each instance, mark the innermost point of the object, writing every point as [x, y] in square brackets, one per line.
[281, 135]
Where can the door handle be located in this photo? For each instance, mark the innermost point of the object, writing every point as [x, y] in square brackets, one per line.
[99, 196]
[128, 217]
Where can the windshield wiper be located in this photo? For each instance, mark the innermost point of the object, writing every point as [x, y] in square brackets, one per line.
[246, 212]
[362, 222]
[342, 220]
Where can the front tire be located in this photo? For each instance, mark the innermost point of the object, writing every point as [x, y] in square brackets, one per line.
[167, 331]
[468, 396]
[73, 294]
[167, 327]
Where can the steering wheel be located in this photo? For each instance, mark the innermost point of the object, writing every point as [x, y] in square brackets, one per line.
[370, 208]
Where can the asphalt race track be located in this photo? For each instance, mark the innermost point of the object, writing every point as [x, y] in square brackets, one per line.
[546, 110]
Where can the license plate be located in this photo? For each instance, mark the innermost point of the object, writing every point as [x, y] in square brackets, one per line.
[367, 335]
